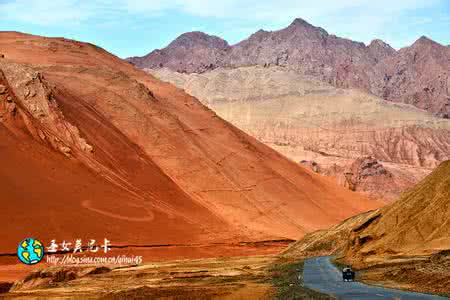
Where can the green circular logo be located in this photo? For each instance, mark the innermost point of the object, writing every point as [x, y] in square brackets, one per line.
[30, 251]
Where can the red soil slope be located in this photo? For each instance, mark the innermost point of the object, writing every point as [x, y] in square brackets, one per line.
[91, 147]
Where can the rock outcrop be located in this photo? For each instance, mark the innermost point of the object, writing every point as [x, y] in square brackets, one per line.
[27, 94]
[368, 175]
[312, 165]
[364, 170]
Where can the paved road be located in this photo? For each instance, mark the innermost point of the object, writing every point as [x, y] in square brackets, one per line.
[321, 275]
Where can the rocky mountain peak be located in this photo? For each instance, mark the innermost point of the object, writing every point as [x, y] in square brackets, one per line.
[377, 43]
[424, 41]
[193, 51]
[198, 39]
[380, 50]
[300, 22]
[259, 35]
[301, 25]
[261, 31]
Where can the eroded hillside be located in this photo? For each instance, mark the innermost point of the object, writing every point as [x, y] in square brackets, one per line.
[97, 147]
[313, 122]
[403, 245]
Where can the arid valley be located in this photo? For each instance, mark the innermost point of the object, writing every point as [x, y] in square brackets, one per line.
[216, 170]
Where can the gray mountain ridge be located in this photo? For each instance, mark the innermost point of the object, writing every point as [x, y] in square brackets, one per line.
[418, 74]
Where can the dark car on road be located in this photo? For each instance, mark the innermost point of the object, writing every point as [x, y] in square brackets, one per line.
[348, 274]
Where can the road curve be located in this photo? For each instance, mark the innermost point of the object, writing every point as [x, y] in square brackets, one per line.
[321, 275]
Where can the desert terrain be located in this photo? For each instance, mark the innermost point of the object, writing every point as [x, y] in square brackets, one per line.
[225, 167]
[402, 245]
[256, 277]
[332, 131]
[332, 104]
[93, 148]
[372, 118]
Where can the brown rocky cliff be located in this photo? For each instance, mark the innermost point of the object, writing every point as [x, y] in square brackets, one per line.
[418, 75]
[368, 175]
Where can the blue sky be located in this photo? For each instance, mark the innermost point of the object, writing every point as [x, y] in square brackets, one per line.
[135, 27]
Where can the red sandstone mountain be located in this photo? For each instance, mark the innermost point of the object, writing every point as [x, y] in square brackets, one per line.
[417, 75]
[92, 147]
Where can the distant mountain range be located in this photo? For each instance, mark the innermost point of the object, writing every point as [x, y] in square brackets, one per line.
[418, 75]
